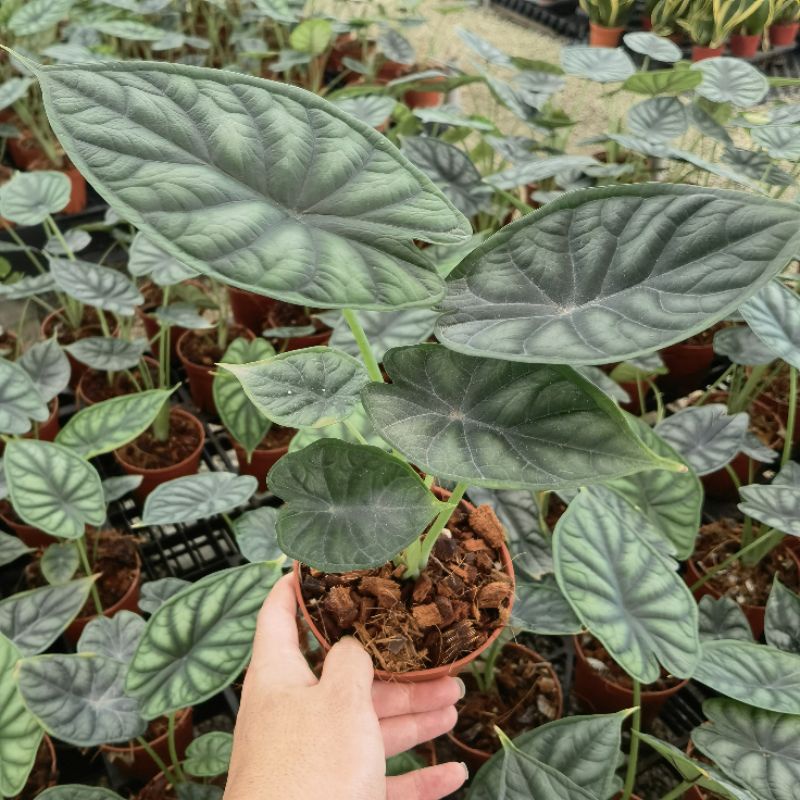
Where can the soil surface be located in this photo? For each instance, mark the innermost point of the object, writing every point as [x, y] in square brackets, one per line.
[95, 385]
[766, 425]
[461, 597]
[277, 437]
[706, 337]
[42, 775]
[525, 696]
[200, 347]
[90, 326]
[147, 452]
[748, 585]
[115, 558]
[602, 663]
[286, 315]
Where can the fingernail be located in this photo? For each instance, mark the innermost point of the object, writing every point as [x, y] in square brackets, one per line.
[466, 770]
[462, 688]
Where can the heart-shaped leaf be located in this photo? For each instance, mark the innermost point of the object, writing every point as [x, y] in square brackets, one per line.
[106, 353]
[33, 620]
[48, 368]
[776, 506]
[29, 197]
[297, 185]
[706, 436]
[757, 166]
[209, 755]
[357, 431]
[97, 286]
[53, 488]
[396, 47]
[194, 497]
[114, 637]
[533, 171]
[611, 273]
[774, 316]
[105, 426]
[155, 593]
[183, 315]
[540, 607]
[199, 640]
[371, 109]
[655, 47]
[12, 90]
[20, 402]
[385, 330]
[604, 65]
[780, 141]
[117, 486]
[486, 50]
[36, 16]
[245, 423]
[731, 80]
[129, 29]
[742, 346]
[604, 383]
[80, 699]
[60, 562]
[198, 791]
[782, 621]
[149, 259]
[659, 119]
[11, 548]
[756, 674]
[308, 388]
[662, 82]
[499, 424]
[75, 239]
[348, 506]
[672, 501]
[723, 618]
[705, 123]
[312, 36]
[27, 287]
[448, 115]
[20, 733]
[76, 791]
[452, 171]
[758, 749]
[623, 589]
[256, 534]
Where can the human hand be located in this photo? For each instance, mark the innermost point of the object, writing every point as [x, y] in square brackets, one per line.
[299, 738]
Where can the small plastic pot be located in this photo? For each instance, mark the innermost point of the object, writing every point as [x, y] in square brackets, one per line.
[298, 342]
[260, 462]
[134, 762]
[603, 36]
[155, 477]
[249, 309]
[83, 396]
[23, 149]
[420, 675]
[745, 45]
[688, 366]
[604, 696]
[476, 758]
[782, 34]
[701, 52]
[420, 98]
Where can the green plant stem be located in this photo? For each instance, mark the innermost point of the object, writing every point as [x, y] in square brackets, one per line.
[87, 568]
[722, 378]
[640, 394]
[20, 243]
[487, 678]
[173, 750]
[791, 420]
[355, 432]
[633, 755]
[438, 526]
[679, 791]
[39, 134]
[523, 208]
[751, 386]
[157, 760]
[730, 559]
[370, 362]
[660, 410]
[60, 237]
[733, 476]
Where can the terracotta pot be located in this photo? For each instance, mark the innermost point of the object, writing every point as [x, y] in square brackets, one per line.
[23, 149]
[155, 477]
[391, 70]
[150, 323]
[602, 36]
[783, 34]
[688, 366]
[745, 45]
[134, 762]
[780, 406]
[754, 614]
[476, 758]
[201, 377]
[27, 534]
[128, 602]
[701, 53]
[420, 98]
[420, 675]
[47, 430]
[634, 406]
[83, 396]
[260, 462]
[604, 696]
[647, 22]
[298, 342]
[249, 309]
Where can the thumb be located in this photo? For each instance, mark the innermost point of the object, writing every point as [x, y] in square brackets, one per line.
[348, 669]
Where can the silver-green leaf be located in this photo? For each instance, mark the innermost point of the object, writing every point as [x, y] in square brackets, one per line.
[60, 562]
[114, 637]
[723, 618]
[774, 316]
[30, 197]
[48, 368]
[209, 755]
[20, 402]
[100, 287]
[107, 353]
[257, 535]
[782, 620]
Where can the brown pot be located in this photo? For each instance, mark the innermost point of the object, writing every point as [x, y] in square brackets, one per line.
[249, 309]
[27, 534]
[647, 22]
[134, 762]
[701, 52]
[299, 342]
[604, 696]
[23, 149]
[128, 602]
[780, 406]
[782, 34]
[201, 377]
[634, 406]
[688, 366]
[745, 45]
[420, 675]
[420, 98]
[155, 477]
[83, 395]
[260, 462]
[476, 758]
[602, 36]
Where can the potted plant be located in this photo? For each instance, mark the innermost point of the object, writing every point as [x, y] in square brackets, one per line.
[785, 23]
[607, 19]
[711, 22]
[744, 42]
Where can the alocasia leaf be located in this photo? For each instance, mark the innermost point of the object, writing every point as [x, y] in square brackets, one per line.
[485, 49]
[100, 287]
[659, 119]
[706, 436]
[774, 316]
[312, 36]
[308, 388]
[48, 368]
[758, 749]
[605, 65]
[198, 791]
[357, 431]
[114, 637]
[129, 29]
[80, 699]
[109, 424]
[610, 273]
[623, 589]
[29, 197]
[371, 109]
[148, 259]
[499, 424]
[184, 315]
[196, 643]
[731, 80]
[13, 89]
[256, 534]
[780, 141]
[117, 486]
[20, 402]
[655, 47]
[108, 353]
[20, 733]
[742, 346]
[154, 594]
[75, 239]
[663, 82]
[782, 621]
[209, 755]
[385, 330]
[297, 185]
[540, 607]
[76, 791]
[27, 287]
[197, 496]
[396, 47]
[11, 548]
[60, 562]
[776, 506]
[756, 674]
[33, 620]
[348, 506]
[53, 488]
[723, 618]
